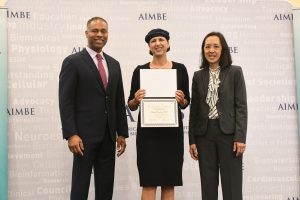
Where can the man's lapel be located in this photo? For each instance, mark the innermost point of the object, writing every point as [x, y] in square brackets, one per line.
[93, 68]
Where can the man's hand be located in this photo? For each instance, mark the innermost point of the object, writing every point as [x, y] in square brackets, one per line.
[121, 145]
[193, 151]
[75, 145]
[239, 148]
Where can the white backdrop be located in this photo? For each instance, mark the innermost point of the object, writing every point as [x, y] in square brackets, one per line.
[43, 32]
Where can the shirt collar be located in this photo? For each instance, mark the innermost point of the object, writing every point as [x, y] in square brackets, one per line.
[93, 53]
[215, 70]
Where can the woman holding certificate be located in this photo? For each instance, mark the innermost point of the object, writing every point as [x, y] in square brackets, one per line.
[160, 149]
[218, 120]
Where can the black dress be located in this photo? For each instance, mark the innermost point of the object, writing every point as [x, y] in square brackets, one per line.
[160, 150]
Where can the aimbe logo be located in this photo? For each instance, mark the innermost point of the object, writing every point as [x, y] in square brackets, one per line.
[288, 106]
[283, 17]
[152, 16]
[20, 111]
[18, 14]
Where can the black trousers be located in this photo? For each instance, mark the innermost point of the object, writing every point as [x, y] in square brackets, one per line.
[215, 151]
[101, 157]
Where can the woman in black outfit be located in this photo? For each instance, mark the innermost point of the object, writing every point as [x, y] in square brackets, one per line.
[160, 150]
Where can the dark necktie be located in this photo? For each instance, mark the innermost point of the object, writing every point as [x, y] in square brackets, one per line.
[101, 70]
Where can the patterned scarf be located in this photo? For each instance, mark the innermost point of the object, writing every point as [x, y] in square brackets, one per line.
[212, 94]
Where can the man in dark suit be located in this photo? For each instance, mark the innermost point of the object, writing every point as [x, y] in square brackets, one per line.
[218, 120]
[92, 110]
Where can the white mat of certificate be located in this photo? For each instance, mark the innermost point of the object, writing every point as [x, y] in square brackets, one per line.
[159, 113]
[158, 82]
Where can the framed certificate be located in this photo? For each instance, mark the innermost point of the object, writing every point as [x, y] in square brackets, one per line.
[159, 112]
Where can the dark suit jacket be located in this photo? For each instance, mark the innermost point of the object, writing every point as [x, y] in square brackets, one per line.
[231, 106]
[85, 107]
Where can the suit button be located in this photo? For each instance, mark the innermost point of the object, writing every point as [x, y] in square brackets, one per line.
[105, 111]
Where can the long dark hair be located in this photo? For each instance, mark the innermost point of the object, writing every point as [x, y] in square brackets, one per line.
[225, 59]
